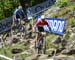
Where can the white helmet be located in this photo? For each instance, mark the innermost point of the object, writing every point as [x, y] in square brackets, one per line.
[20, 7]
[42, 17]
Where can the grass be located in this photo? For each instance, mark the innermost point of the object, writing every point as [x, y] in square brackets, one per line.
[71, 21]
[49, 40]
[7, 50]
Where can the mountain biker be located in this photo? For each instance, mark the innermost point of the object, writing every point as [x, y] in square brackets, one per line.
[18, 15]
[40, 27]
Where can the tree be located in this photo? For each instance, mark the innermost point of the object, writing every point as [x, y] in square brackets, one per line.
[7, 6]
[25, 5]
[33, 2]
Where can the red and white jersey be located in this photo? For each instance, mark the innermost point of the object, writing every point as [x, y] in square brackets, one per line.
[41, 23]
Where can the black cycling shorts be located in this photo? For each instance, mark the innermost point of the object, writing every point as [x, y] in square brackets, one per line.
[16, 21]
[40, 29]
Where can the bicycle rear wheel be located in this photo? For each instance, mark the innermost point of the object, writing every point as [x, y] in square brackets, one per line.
[44, 46]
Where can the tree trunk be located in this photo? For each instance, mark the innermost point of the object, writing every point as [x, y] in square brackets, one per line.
[25, 5]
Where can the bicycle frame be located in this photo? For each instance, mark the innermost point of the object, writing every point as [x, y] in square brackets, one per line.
[41, 44]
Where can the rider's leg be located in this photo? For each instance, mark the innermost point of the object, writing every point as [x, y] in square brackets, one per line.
[40, 30]
[15, 24]
[36, 40]
[38, 36]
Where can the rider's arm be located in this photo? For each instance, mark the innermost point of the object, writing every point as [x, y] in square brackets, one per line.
[14, 18]
[14, 15]
[49, 28]
[34, 27]
[48, 25]
[37, 23]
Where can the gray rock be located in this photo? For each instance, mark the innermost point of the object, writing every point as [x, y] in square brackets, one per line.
[64, 58]
[68, 51]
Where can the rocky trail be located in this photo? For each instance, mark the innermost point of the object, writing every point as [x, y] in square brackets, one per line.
[59, 54]
[66, 54]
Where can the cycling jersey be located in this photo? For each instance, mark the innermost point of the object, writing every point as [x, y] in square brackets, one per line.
[39, 23]
[19, 13]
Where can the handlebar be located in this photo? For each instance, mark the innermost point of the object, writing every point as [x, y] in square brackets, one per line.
[44, 33]
[35, 32]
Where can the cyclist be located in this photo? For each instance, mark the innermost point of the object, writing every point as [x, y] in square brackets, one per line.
[40, 27]
[18, 15]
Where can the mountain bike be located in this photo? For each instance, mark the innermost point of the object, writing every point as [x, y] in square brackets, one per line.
[40, 46]
[18, 28]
